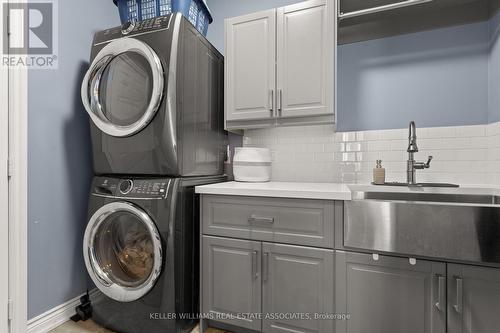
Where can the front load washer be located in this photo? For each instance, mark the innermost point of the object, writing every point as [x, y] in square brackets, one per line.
[154, 94]
[141, 250]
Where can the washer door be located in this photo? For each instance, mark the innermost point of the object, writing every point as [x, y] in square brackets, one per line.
[123, 88]
[123, 252]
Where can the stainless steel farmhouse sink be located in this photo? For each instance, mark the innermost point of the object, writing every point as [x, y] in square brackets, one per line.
[430, 197]
[452, 224]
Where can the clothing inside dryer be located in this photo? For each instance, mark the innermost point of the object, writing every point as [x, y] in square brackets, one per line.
[124, 249]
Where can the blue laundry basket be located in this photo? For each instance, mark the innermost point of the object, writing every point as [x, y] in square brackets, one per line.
[196, 11]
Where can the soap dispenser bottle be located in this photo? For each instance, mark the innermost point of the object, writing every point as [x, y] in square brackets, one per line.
[379, 174]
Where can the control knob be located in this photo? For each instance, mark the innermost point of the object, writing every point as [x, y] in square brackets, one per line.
[128, 27]
[126, 186]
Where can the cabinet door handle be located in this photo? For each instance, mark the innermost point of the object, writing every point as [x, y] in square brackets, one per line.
[255, 273]
[259, 219]
[265, 266]
[280, 108]
[441, 292]
[272, 102]
[458, 305]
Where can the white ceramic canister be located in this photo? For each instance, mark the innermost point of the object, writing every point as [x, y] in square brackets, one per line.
[252, 164]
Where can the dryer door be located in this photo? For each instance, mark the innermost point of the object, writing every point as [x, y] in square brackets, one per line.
[123, 252]
[123, 88]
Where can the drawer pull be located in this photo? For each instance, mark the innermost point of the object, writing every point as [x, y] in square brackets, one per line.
[259, 219]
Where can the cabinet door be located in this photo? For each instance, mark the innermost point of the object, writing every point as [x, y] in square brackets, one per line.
[232, 281]
[250, 66]
[306, 59]
[389, 295]
[296, 280]
[473, 299]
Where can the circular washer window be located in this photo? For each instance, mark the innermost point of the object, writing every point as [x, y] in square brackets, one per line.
[122, 250]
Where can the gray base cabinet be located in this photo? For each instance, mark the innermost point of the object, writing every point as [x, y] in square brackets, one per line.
[232, 280]
[271, 263]
[284, 285]
[473, 299]
[389, 295]
[296, 280]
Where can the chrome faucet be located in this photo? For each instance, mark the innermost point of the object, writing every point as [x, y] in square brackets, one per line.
[412, 165]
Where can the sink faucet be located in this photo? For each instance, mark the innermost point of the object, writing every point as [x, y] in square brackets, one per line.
[412, 165]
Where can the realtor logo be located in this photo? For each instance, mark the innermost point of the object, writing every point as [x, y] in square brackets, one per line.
[32, 29]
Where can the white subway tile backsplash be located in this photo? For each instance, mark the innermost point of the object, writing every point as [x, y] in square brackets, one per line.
[324, 157]
[471, 131]
[462, 154]
[493, 129]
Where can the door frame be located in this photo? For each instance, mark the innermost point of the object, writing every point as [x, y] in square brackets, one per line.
[15, 97]
[4, 193]
[18, 199]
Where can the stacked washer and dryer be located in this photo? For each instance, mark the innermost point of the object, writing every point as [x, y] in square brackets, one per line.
[154, 93]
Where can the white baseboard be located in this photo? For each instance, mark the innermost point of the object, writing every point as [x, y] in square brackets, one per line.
[56, 316]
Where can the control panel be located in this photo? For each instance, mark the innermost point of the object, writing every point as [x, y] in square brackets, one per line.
[148, 188]
[161, 23]
[156, 23]
[131, 188]
[133, 28]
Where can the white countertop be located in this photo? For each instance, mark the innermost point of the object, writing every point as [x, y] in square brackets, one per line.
[323, 191]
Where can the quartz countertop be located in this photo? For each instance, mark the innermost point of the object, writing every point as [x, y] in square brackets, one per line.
[323, 191]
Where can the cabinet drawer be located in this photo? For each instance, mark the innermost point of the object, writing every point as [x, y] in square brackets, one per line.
[291, 221]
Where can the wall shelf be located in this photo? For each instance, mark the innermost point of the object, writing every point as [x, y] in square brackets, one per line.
[419, 16]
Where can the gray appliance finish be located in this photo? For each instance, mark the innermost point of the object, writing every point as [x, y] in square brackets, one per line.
[141, 250]
[154, 93]
[425, 225]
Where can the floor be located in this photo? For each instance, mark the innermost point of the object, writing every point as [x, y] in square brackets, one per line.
[90, 327]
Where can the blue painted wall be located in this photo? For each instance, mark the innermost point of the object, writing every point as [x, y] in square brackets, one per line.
[437, 78]
[494, 71]
[59, 164]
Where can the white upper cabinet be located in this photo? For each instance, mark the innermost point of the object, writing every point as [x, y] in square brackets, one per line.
[280, 66]
[305, 53]
[250, 66]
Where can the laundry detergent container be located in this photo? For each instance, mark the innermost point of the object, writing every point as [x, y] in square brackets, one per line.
[196, 11]
[252, 165]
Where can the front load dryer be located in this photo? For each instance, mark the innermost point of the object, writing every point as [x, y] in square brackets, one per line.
[141, 250]
[154, 94]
